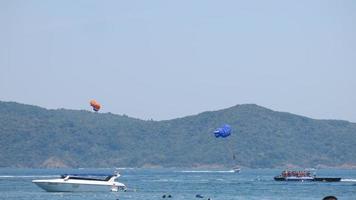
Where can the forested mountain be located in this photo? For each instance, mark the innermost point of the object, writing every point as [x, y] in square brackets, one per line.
[31, 136]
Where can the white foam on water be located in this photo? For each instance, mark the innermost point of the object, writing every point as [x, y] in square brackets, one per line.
[27, 176]
[207, 171]
[166, 180]
[348, 180]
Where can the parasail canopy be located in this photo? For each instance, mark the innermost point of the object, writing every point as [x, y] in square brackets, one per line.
[96, 105]
[223, 132]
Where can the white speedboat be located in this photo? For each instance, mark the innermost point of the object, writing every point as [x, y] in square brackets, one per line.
[236, 169]
[82, 183]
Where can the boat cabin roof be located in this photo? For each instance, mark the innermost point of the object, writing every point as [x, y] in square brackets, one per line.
[94, 177]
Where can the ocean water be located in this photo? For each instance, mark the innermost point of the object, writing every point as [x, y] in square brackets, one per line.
[146, 184]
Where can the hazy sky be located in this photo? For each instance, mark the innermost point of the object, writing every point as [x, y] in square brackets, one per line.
[167, 59]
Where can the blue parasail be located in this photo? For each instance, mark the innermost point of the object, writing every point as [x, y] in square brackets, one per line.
[223, 132]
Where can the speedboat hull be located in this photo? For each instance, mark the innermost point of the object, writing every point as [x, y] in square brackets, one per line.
[279, 178]
[74, 183]
[75, 187]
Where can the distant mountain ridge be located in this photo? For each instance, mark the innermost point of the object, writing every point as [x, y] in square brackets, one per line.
[32, 136]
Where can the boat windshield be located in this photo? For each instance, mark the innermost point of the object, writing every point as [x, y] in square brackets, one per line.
[96, 177]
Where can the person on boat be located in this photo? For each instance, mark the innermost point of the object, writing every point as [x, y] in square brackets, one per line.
[285, 173]
[308, 173]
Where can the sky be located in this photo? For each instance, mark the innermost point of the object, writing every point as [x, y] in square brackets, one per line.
[168, 59]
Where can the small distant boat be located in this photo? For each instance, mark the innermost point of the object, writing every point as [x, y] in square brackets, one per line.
[236, 169]
[303, 176]
[82, 183]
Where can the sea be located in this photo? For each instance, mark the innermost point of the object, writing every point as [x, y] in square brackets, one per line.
[147, 184]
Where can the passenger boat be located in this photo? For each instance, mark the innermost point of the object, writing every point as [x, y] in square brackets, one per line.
[303, 176]
[82, 183]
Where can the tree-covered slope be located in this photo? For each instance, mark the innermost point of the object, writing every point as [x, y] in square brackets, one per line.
[31, 136]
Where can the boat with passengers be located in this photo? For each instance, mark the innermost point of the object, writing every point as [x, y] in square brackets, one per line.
[288, 175]
[82, 183]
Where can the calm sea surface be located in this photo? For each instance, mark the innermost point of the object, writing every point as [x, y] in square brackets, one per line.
[182, 184]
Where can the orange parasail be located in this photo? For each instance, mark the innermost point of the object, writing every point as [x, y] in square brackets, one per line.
[96, 105]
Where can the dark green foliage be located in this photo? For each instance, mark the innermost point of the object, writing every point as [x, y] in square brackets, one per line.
[31, 136]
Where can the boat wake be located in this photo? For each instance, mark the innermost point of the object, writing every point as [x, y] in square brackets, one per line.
[348, 180]
[166, 180]
[208, 171]
[28, 176]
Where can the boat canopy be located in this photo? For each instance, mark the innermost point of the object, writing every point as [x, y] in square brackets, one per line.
[86, 175]
[94, 177]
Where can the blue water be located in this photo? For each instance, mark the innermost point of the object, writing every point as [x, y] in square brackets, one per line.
[183, 184]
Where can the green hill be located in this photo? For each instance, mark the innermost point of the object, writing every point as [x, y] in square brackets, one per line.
[31, 136]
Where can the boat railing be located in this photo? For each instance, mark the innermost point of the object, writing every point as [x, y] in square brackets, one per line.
[93, 177]
[287, 173]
